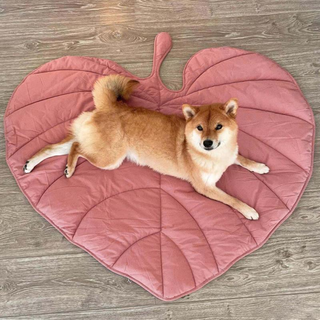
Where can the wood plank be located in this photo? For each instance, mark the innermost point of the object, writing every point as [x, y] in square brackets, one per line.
[285, 307]
[66, 282]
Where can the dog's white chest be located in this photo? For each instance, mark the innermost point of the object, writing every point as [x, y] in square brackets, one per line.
[211, 178]
[133, 157]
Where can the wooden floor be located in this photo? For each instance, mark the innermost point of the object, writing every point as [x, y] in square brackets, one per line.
[42, 276]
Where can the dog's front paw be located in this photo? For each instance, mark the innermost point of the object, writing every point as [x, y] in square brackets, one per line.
[250, 213]
[261, 168]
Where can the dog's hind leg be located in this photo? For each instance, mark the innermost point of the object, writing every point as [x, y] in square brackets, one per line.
[58, 149]
[104, 160]
[73, 156]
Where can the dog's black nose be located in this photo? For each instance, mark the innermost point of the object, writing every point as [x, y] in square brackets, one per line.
[208, 143]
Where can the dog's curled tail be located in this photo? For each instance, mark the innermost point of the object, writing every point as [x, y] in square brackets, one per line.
[110, 89]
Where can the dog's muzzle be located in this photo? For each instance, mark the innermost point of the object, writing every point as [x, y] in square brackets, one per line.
[208, 145]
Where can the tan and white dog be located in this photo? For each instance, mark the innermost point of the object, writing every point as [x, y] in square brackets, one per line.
[198, 148]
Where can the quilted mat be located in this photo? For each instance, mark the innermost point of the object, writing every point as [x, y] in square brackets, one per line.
[155, 229]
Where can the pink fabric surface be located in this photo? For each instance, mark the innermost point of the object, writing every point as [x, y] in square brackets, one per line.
[151, 228]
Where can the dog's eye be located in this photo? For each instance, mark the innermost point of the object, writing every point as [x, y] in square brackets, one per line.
[219, 126]
[199, 128]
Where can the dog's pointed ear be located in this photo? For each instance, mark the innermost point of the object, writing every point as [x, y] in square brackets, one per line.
[231, 107]
[189, 111]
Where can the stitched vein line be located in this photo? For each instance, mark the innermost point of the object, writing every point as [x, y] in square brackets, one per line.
[273, 149]
[224, 84]
[275, 112]
[41, 133]
[56, 70]
[214, 258]
[157, 231]
[269, 188]
[90, 71]
[56, 96]
[54, 182]
[120, 68]
[254, 239]
[113, 195]
[194, 280]
[94, 72]
[149, 235]
[152, 101]
[230, 58]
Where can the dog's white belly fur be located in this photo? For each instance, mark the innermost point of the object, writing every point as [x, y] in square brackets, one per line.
[133, 157]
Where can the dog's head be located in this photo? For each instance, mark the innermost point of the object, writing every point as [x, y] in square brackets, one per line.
[211, 126]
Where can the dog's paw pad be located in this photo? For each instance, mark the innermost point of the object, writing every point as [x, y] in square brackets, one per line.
[66, 172]
[261, 168]
[251, 214]
[25, 167]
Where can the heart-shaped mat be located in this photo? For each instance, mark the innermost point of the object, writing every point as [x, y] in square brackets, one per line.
[155, 229]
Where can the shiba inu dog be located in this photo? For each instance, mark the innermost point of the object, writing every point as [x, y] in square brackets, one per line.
[197, 148]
